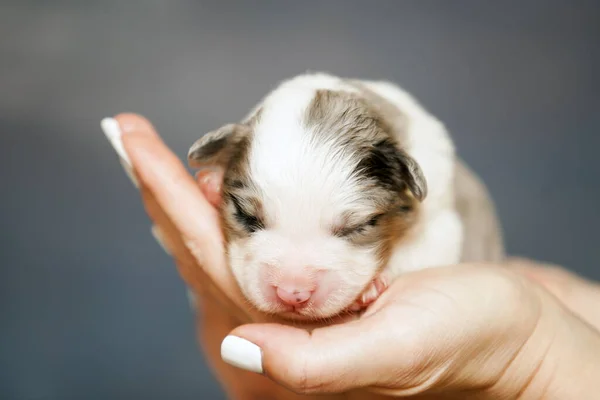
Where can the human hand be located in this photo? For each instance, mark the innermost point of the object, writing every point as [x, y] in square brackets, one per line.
[189, 227]
[579, 295]
[187, 224]
[471, 331]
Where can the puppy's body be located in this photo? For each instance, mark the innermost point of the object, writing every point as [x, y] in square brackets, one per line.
[332, 185]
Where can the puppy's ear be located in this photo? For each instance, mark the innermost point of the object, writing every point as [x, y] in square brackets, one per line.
[394, 169]
[412, 175]
[217, 147]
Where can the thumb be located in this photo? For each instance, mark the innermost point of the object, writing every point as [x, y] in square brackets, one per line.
[332, 359]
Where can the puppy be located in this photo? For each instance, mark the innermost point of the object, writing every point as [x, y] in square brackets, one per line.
[334, 187]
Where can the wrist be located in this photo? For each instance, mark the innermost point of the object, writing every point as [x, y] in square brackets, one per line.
[567, 354]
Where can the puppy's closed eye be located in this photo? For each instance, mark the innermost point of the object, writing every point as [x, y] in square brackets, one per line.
[356, 229]
[250, 220]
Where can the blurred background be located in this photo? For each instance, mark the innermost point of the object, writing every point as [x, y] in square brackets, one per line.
[90, 306]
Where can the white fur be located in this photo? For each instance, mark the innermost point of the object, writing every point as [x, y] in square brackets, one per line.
[305, 185]
[440, 236]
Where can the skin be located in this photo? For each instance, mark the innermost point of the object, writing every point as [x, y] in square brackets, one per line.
[519, 330]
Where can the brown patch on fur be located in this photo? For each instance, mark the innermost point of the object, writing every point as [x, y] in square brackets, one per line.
[395, 226]
[237, 185]
[343, 117]
[228, 148]
[217, 147]
[358, 123]
[396, 219]
[356, 127]
[397, 120]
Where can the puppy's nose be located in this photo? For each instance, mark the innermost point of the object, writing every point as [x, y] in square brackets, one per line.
[293, 297]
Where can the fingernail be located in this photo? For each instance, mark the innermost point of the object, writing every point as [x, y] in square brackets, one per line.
[113, 133]
[242, 354]
[129, 172]
[157, 233]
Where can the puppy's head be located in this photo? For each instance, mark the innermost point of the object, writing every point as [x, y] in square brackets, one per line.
[315, 193]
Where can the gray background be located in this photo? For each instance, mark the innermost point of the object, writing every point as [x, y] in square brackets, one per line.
[91, 308]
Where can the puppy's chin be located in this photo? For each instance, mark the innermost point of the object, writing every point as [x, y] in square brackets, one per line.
[307, 313]
[297, 317]
[331, 299]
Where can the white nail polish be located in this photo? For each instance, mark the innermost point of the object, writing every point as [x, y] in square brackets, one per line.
[242, 354]
[129, 172]
[157, 233]
[113, 133]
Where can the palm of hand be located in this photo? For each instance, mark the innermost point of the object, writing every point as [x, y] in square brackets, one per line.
[446, 321]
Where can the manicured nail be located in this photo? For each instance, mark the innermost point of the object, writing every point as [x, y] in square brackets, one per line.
[157, 233]
[242, 354]
[129, 172]
[113, 133]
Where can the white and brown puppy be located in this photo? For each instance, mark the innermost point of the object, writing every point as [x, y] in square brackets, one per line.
[334, 187]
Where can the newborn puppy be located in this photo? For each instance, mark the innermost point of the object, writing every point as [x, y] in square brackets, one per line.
[331, 189]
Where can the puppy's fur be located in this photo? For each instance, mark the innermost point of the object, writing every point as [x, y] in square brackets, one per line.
[353, 178]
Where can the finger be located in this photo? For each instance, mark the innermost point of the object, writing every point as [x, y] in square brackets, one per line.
[163, 229]
[194, 276]
[162, 174]
[212, 326]
[333, 359]
[168, 180]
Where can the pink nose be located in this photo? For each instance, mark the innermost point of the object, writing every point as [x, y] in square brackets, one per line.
[293, 297]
